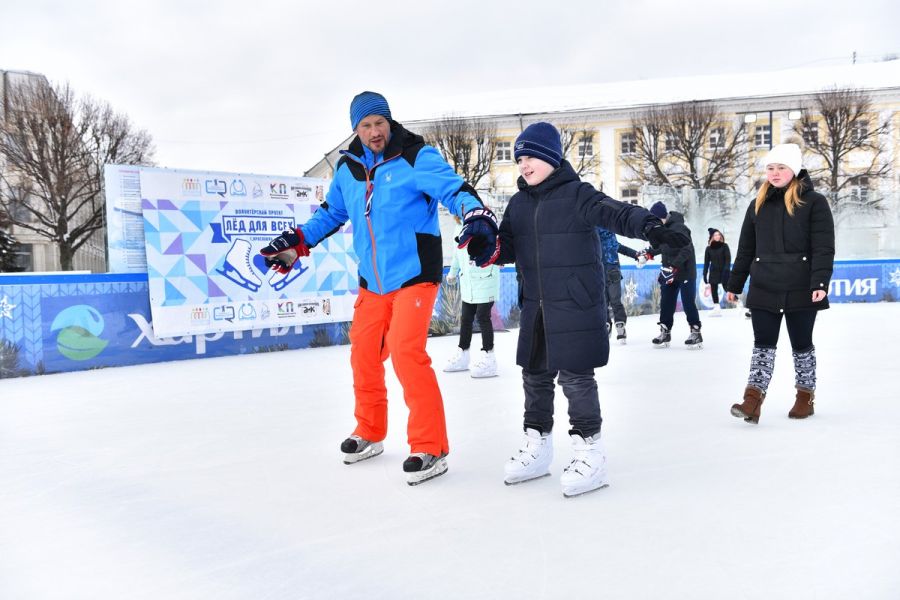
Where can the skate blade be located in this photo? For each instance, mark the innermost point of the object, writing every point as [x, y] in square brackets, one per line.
[352, 459]
[665, 345]
[695, 347]
[518, 481]
[568, 493]
[439, 468]
[483, 376]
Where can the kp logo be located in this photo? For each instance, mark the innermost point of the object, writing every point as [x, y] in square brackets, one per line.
[79, 329]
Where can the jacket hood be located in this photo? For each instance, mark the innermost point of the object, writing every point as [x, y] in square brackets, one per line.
[561, 175]
[675, 217]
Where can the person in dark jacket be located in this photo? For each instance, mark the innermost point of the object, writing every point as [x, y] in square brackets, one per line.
[787, 249]
[549, 231]
[716, 267]
[678, 275]
[611, 248]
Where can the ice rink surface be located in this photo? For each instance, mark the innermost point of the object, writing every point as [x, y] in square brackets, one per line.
[222, 479]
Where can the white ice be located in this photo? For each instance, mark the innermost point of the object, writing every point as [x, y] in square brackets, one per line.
[222, 479]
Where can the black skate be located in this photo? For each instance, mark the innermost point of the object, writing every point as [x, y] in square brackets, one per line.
[422, 467]
[695, 340]
[664, 338]
[356, 449]
[620, 332]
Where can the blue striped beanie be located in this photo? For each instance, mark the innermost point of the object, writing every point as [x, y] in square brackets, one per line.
[365, 104]
[540, 140]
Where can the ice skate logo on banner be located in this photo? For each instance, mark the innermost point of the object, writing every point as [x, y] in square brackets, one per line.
[301, 192]
[286, 310]
[199, 315]
[190, 186]
[216, 186]
[247, 312]
[278, 191]
[279, 281]
[237, 268]
[238, 188]
[79, 329]
[257, 190]
[223, 313]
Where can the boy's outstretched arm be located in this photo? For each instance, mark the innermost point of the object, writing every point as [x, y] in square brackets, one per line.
[626, 219]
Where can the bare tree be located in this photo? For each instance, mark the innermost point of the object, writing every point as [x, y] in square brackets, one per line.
[847, 127]
[54, 146]
[689, 144]
[578, 145]
[469, 145]
[8, 245]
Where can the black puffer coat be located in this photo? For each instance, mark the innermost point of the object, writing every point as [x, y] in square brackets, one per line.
[682, 258]
[786, 257]
[549, 231]
[717, 263]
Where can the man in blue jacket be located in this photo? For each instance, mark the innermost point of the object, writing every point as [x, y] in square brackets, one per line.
[388, 183]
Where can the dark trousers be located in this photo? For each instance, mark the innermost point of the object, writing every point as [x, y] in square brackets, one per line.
[614, 293]
[714, 290]
[482, 312]
[767, 325]
[669, 298]
[579, 387]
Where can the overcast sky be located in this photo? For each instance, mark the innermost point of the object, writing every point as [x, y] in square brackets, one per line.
[263, 86]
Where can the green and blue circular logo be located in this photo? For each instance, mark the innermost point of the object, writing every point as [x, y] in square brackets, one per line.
[79, 330]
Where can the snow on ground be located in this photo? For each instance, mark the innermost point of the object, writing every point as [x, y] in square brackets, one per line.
[222, 479]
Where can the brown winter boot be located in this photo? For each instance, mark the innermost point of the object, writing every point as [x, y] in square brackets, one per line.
[749, 409]
[804, 405]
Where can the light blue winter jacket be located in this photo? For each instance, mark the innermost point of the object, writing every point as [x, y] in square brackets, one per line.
[476, 285]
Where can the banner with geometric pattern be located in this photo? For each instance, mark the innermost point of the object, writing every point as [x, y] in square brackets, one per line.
[202, 236]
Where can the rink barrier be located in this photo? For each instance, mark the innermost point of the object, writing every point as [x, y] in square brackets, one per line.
[71, 322]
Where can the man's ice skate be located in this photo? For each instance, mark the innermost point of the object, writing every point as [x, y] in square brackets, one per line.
[458, 362]
[664, 337]
[532, 460]
[422, 467]
[587, 471]
[279, 280]
[620, 332]
[356, 449]
[237, 268]
[485, 366]
[695, 340]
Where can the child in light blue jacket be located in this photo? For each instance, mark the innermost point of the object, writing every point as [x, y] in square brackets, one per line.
[479, 288]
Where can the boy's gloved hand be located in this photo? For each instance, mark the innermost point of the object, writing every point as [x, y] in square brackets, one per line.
[283, 251]
[479, 236]
[667, 275]
[659, 235]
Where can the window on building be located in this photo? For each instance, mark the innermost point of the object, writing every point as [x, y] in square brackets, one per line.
[811, 134]
[859, 188]
[630, 195]
[504, 151]
[717, 138]
[859, 131]
[586, 146]
[762, 136]
[670, 144]
[629, 143]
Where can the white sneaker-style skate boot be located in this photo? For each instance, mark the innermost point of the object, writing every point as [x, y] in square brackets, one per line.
[587, 471]
[532, 460]
[421, 466]
[458, 362]
[485, 366]
[356, 449]
[716, 311]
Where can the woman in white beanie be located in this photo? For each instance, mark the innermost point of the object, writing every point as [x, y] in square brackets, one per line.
[787, 249]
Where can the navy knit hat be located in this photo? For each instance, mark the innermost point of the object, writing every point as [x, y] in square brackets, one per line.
[540, 140]
[659, 210]
[365, 104]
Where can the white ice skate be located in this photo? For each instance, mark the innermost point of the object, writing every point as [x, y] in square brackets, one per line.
[716, 311]
[356, 449]
[458, 362]
[420, 467]
[620, 333]
[532, 460]
[279, 280]
[587, 471]
[485, 366]
[237, 266]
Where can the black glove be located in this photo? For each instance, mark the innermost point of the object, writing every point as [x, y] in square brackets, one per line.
[667, 275]
[479, 236]
[283, 251]
[660, 235]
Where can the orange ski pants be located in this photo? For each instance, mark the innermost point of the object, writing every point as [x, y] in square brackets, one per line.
[396, 325]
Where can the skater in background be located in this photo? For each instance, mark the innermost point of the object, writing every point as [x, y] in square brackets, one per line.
[787, 249]
[716, 267]
[479, 288]
[611, 249]
[389, 183]
[549, 231]
[678, 275]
